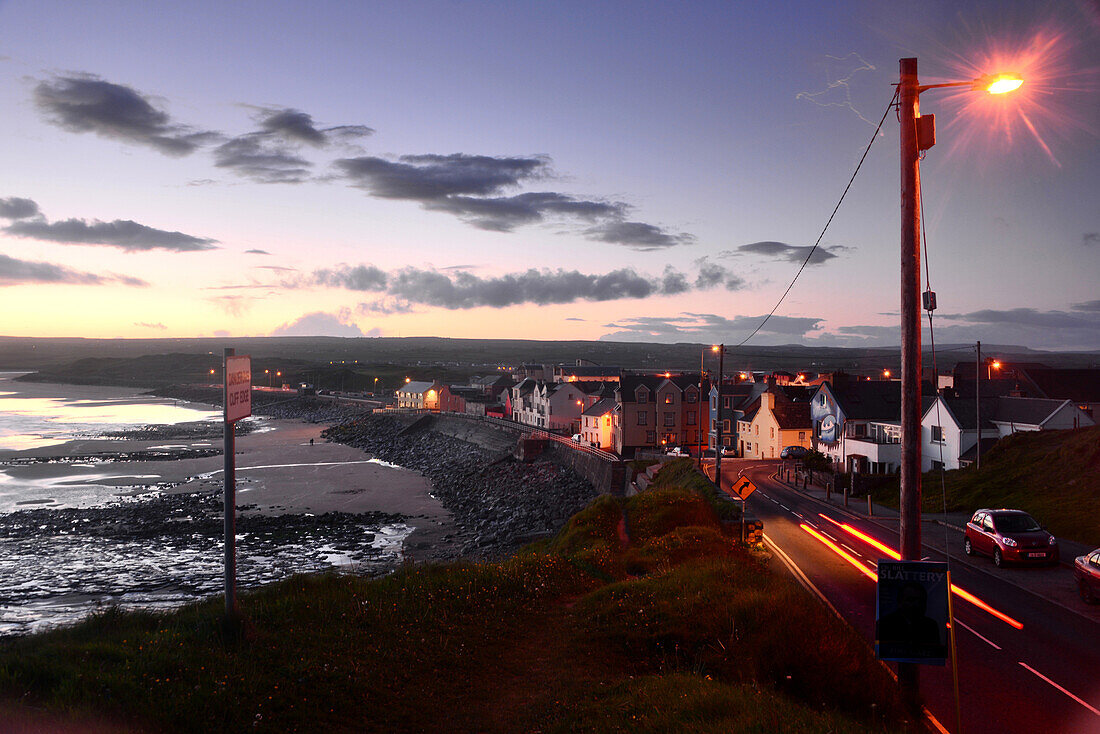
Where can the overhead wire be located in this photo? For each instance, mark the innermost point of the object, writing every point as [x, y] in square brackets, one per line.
[813, 249]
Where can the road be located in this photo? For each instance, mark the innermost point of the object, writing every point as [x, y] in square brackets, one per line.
[1035, 670]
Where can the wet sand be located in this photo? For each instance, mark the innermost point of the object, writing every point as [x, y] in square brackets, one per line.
[278, 472]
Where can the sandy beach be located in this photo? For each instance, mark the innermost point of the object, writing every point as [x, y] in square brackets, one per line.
[278, 471]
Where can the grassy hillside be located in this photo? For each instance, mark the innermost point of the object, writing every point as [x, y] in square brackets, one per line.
[1054, 475]
[641, 615]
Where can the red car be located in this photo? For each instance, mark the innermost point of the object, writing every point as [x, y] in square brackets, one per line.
[1010, 536]
[1086, 569]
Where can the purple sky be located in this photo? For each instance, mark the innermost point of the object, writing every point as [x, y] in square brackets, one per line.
[634, 171]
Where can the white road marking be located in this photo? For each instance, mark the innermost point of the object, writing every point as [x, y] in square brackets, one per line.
[1093, 709]
[799, 516]
[785, 507]
[835, 540]
[852, 550]
[974, 632]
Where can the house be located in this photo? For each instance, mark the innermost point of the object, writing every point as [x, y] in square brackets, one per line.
[772, 422]
[523, 404]
[857, 423]
[656, 411]
[453, 398]
[419, 395]
[949, 429]
[596, 423]
[553, 406]
[734, 398]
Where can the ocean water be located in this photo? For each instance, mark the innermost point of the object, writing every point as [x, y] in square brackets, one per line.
[59, 576]
[34, 415]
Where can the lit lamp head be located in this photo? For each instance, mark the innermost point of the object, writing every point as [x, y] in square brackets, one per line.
[998, 83]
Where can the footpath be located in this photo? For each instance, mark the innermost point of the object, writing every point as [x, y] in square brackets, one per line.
[943, 533]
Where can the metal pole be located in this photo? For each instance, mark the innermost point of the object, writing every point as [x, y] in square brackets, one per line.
[702, 354]
[230, 500]
[718, 416]
[978, 404]
[908, 112]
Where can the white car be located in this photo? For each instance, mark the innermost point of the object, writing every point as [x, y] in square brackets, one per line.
[676, 451]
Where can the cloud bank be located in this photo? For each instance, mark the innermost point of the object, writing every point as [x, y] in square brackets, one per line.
[30, 272]
[407, 287]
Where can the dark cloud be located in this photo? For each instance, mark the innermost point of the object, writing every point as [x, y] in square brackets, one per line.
[123, 233]
[357, 278]
[319, 323]
[271, 154]
[1024, 317]
[256, 252]
[432, 177]
[792, 253]
[384, 307]
[276, 268]
[574, 318]
[17, 208]
[295, 125]
[708, 328]
[25, 272]
[147, 325]
[1090, 238]
[262, 158]
[458, 289]
[86, 103]
[637, 235]
[502, 214]
[712, 275]
[1087, 306]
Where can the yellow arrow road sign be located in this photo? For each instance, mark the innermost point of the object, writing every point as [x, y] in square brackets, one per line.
[742, 487]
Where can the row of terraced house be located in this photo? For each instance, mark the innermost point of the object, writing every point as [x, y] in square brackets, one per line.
[853, 420]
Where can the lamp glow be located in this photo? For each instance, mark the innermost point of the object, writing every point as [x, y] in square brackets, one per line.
[1003, 83]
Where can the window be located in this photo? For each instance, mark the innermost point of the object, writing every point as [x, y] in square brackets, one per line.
[748, 447]
[937, 466]
[642, 395]
[669, 398]
[772, 429]
[642, 419]
[937, 434]
[801, 436]
[691, 419]
[670, 419]
[651, 437]
[607, 420]
[756, 430]
[726, 425]
[821, 399]
[726, 402]
[691, 396]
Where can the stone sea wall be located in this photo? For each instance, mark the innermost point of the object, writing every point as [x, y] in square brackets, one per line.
[498, 503]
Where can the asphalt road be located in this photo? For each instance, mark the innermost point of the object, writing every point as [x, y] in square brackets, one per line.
[1042, 677]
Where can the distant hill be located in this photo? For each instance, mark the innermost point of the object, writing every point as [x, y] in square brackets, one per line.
[475, 356]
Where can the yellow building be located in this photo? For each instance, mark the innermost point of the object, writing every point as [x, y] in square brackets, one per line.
[772, 423]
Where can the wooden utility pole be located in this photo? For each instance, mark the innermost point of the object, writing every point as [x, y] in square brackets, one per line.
[908, 113]
[718, 419]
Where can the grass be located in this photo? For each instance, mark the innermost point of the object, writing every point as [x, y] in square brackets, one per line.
[642, 615]
[1053, 475]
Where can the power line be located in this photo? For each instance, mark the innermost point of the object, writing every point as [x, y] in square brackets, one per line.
[813, 249]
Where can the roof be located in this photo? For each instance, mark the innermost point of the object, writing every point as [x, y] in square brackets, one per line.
[1030, 411]
[972, 453]
[416, 387]
[495, 380]
[629, 384]
[1078, 385]
[864, 400]
[601, 407]
[791, 415]
[964, 411]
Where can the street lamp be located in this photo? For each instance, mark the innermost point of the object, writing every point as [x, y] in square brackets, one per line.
[917, 134]
[721, 349]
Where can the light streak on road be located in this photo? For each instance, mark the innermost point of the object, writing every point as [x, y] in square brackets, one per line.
[841, 552]
[959, 592]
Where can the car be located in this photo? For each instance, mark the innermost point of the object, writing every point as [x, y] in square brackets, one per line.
[1086, 569]
[676, 451]
[1009, 536]
[794, 452]
[729, 452]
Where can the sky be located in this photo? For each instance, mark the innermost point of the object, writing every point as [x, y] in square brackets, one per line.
[632, 171]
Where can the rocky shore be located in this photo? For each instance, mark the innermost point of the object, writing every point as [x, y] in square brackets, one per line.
[498, 504]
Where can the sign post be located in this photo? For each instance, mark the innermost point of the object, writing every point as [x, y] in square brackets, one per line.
[743, 487]
[237, 399]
